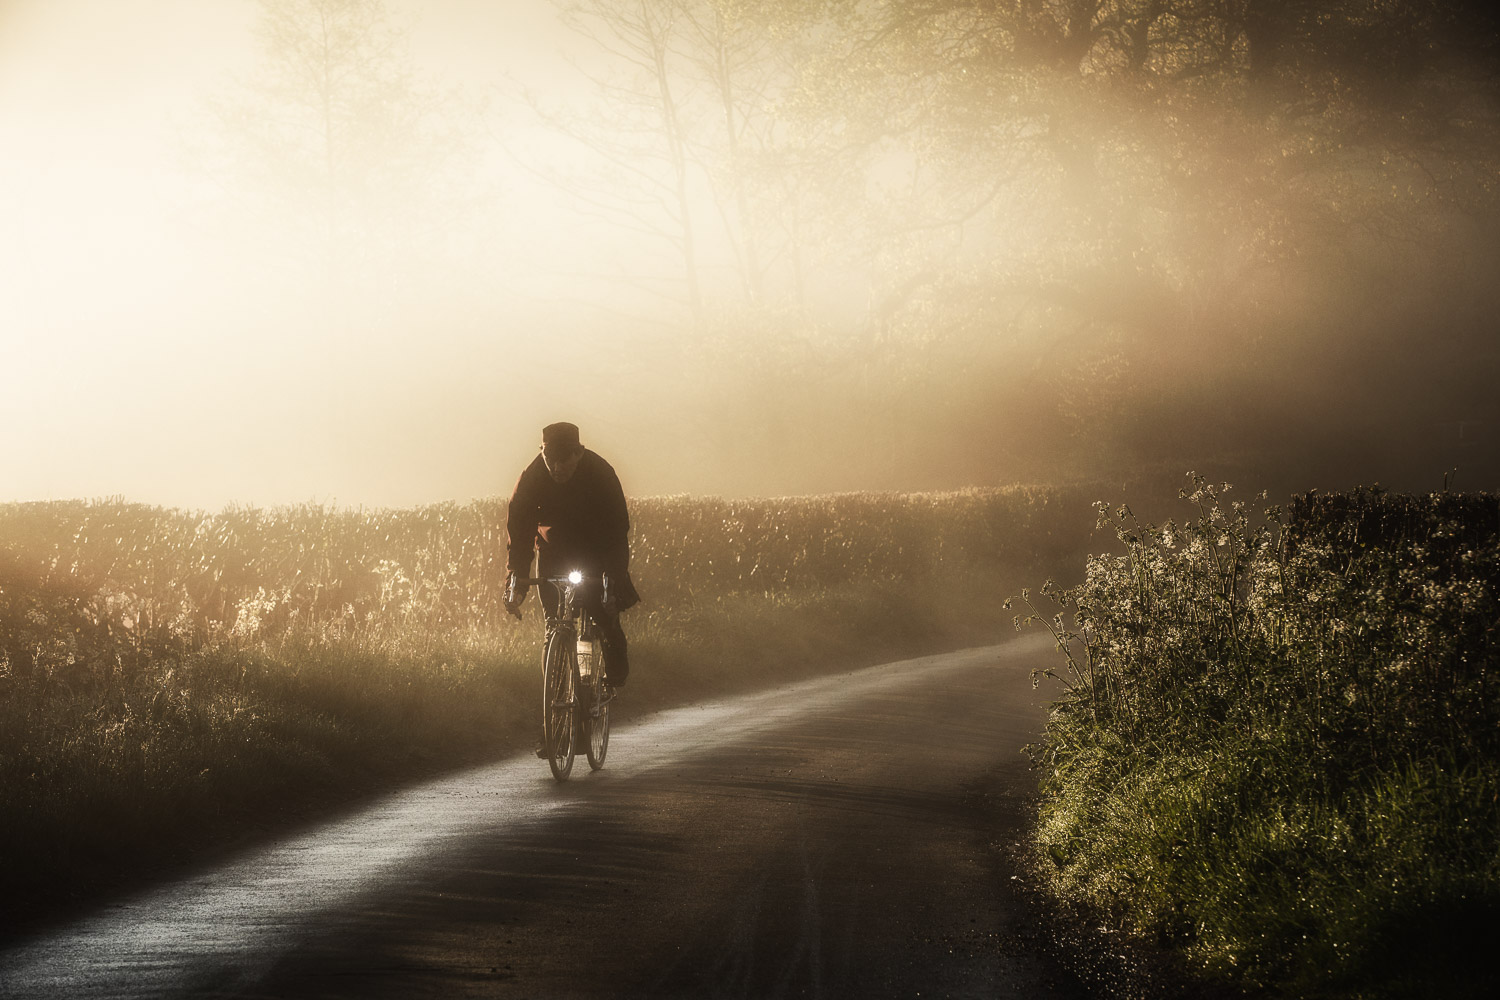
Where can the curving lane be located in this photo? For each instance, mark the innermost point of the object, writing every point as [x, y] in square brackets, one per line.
[814, 840]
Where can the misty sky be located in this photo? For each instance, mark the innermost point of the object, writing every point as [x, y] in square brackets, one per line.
[147, 352]
[890, 261]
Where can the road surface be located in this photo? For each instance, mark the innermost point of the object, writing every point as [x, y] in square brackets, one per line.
[818, 840]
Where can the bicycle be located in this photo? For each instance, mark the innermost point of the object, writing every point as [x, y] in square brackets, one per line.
[575, 698]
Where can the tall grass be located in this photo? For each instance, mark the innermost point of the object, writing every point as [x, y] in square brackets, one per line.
[170, 679]
[439, 568]
[1278, 747]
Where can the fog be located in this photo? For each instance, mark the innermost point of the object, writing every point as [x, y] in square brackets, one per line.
[359, 252]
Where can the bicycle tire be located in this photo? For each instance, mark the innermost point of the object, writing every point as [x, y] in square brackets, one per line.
[559, 695]
[598, 717]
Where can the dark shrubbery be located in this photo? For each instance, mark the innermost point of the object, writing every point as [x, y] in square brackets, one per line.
[1279, 744]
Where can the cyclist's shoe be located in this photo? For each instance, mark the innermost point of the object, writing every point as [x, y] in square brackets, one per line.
[541, 749]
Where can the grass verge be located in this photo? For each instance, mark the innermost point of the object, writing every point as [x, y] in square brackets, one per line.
[178, 752]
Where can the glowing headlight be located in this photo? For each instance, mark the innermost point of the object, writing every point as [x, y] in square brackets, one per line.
[575, 578]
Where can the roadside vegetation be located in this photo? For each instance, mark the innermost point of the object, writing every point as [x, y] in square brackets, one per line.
[1278, 747]
[173, 680]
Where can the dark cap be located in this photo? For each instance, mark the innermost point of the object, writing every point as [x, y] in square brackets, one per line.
[560, 437]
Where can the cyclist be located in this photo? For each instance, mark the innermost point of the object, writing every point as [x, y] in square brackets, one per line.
[569, 509]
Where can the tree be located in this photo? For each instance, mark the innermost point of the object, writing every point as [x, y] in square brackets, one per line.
[1105, 197]
[353, 164]
[1133, 151]
[690, 149]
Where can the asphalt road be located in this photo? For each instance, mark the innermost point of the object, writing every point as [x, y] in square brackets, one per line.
[818, 840]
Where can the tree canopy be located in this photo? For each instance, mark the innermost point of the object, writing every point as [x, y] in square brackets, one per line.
[1076, 201]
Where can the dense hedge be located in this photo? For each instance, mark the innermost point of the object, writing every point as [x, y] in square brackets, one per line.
[1279, 745]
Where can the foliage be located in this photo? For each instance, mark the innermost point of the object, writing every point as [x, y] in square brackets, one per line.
[941, 219]
[1277, 744]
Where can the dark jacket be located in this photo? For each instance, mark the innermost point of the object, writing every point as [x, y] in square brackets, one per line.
[581, 524]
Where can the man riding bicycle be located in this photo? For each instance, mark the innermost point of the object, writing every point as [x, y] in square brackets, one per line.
[569, 509]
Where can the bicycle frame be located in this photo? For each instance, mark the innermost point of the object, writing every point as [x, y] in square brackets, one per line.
[577, 704]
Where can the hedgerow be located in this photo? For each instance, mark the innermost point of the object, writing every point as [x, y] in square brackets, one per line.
[1278, 744]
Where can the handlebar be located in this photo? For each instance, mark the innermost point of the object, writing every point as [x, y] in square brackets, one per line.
[558, 582]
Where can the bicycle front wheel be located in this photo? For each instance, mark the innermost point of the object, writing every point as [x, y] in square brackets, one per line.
[559, 696]
[598, 716]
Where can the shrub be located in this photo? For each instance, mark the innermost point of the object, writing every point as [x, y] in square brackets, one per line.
[1277, 748]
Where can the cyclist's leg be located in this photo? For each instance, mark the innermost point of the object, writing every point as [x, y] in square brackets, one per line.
[547, 594]
[612, 637]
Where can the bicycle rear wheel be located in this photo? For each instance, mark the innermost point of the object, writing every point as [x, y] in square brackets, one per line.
[559, 696]
[598, 716]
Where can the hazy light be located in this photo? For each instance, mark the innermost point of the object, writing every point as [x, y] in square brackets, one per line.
[195, 310]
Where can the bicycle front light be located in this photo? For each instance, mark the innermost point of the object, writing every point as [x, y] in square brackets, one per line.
[575, 578]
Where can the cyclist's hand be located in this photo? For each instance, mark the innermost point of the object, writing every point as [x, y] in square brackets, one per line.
[515, 593]
[607, 602]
